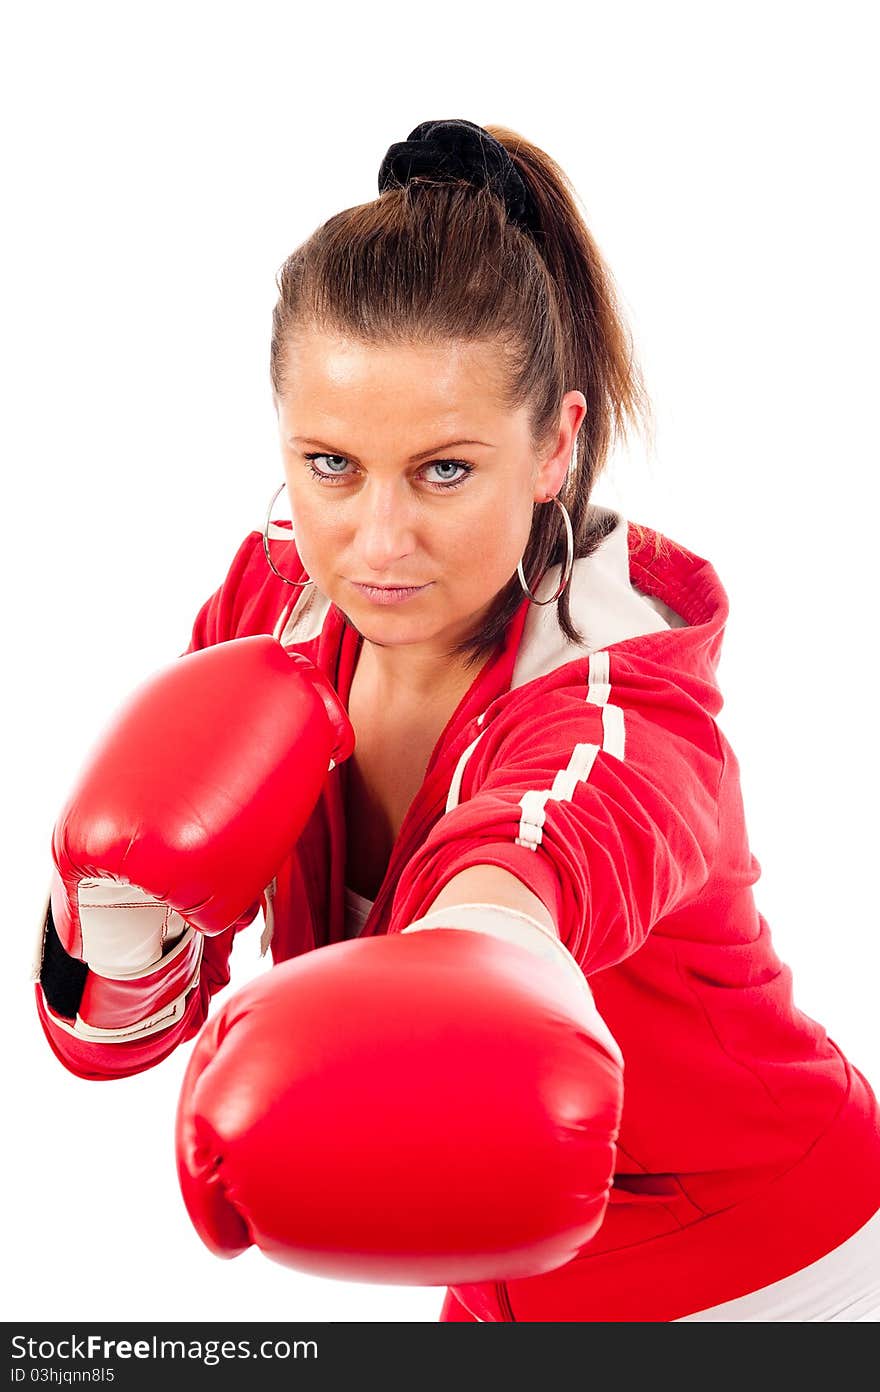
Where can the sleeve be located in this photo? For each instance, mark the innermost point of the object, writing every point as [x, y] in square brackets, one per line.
[602, 798]
[62, 981]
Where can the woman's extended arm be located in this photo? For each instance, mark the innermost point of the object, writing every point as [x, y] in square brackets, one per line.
[489, 884]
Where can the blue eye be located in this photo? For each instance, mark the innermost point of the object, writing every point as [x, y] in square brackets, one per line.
[435, 464]
[317, 472]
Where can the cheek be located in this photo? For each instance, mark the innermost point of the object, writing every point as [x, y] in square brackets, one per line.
[496, 539]
[310, 519]
[315, 539]
[482, 559]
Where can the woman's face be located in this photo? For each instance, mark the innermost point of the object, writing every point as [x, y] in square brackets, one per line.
[403, 469]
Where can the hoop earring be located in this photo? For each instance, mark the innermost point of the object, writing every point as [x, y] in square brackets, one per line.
[569, 559]
[299, 583]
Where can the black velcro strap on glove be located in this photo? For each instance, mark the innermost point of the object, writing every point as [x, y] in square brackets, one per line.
[62, 977]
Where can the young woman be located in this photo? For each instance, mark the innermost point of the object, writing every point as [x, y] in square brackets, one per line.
[550, 1059]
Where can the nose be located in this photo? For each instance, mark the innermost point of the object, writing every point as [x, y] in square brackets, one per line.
[384, 527]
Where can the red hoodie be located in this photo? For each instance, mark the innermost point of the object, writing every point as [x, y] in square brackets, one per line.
[598, 775]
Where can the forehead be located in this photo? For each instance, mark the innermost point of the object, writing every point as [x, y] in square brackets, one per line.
[330, 369]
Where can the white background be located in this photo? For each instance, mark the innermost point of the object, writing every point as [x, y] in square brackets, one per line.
[160, 163]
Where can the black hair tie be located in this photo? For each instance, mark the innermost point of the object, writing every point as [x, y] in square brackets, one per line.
[459, 149]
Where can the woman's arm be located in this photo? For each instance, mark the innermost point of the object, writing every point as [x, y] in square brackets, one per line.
[489, 884]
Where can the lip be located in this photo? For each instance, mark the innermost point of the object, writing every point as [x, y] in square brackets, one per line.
[389, 594]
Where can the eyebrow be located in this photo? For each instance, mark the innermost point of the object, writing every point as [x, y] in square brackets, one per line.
[423, 454]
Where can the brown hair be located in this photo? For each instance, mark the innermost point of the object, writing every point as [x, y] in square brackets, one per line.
[438, 260]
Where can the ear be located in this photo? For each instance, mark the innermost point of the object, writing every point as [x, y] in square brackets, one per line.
[551, 475]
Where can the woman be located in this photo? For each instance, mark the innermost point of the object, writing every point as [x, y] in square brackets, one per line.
[531, 686]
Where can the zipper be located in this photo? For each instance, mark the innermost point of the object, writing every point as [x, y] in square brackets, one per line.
[504, 1301]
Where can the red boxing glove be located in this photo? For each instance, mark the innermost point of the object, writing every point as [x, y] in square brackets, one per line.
[434, 1107]
[178, 821]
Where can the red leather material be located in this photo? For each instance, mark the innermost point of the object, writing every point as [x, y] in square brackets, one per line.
[427, 1108]
[199, 785]
[336, 712]
[108, 1004]
[103, 1062]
